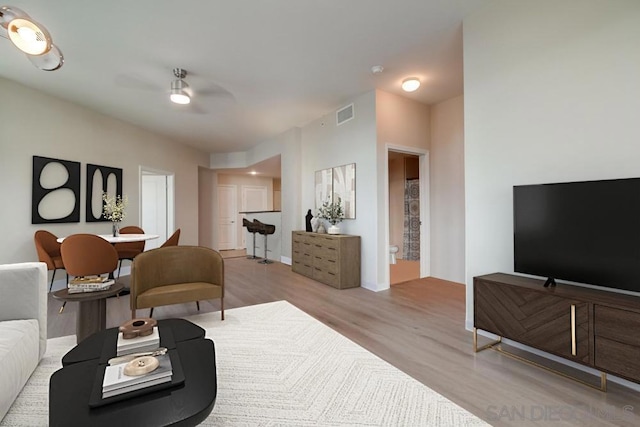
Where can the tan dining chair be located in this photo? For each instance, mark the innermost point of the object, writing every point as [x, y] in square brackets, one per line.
[48, 250]
[129, 250]
[176, 275]
[172, 240]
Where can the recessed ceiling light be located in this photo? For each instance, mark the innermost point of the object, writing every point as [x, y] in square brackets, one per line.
[411, 84]
[253, 173]
[376, 69]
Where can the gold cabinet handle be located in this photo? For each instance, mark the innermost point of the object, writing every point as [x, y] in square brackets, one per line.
[573, 329]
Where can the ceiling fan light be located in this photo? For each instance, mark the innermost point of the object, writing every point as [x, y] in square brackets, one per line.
[178, 93]
[180, 97]
[411, 84]
[29, 36]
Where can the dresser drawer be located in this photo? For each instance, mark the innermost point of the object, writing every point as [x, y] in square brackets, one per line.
[327, 277]
[616, 324]
[301, 268]
[327, 252]
[329, 265]
[327, 242]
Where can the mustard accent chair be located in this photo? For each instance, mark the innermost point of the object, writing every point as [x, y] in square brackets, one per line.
[48, 250]
[129, 250]
[176, 275]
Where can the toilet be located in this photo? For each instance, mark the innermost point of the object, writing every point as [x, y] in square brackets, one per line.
[393, 250]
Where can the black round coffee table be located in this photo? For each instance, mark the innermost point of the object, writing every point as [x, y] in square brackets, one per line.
[187, 404]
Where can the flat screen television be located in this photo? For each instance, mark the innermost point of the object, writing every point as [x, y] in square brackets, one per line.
[585, 232]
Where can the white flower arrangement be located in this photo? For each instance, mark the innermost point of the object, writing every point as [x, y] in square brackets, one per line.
[113, 208]
[332, 211]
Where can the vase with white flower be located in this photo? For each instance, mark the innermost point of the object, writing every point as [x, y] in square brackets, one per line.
[332, 212]
[113, 209]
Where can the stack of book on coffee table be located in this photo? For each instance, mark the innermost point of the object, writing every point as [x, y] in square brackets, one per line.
[116, 382]
[89, 284]
[137, 344]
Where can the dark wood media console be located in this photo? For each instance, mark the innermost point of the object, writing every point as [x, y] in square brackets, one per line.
[595, 328]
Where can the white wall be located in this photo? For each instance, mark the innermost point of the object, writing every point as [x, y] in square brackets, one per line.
[447, 190]
[552, 93]
[34, 123]
[325, 145]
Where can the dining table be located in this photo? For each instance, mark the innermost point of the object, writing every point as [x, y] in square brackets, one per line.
[122, 238]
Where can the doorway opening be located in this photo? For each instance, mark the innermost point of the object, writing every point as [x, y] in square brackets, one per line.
[157, 206]
[407, 214]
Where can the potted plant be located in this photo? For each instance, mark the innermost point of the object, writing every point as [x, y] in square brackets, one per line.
[332, 212]
[113, 210]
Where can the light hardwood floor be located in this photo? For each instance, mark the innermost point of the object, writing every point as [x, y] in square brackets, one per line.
[418, 327]
[403, 271]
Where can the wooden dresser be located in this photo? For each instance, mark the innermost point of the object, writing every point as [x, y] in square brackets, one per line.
[330, 259]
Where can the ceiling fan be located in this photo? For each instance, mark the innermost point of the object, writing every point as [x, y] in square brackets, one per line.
[180, 91]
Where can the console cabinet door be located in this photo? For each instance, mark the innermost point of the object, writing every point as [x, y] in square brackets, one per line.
[538, 319]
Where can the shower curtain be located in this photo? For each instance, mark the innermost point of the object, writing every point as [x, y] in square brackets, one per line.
[411, 238]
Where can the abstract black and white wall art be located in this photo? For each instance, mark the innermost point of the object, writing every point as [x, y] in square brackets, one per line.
[334, 183]
[55, 191]
[101, 179]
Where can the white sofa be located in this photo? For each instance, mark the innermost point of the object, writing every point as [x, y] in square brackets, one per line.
[23, 326]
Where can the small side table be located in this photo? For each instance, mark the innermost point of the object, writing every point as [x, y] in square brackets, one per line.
[92, 309]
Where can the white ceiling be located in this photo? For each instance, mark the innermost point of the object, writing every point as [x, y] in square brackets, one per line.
[257, 68]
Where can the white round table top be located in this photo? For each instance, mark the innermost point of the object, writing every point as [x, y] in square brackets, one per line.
[123, 238]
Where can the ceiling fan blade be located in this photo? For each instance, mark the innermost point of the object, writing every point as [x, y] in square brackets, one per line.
[131, 81]
[215, 90]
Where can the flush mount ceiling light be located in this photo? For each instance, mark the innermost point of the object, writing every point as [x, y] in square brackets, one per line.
[31, 37]
[179, 94]
[411, 84]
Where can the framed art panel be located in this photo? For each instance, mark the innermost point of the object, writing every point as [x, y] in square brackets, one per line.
[101, 179]
[55, 191]
[323, 186]
[344, 187]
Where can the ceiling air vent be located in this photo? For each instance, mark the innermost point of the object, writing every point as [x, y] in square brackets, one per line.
[344, 114]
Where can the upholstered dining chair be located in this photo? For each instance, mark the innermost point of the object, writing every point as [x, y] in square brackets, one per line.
[172, 240]
[129, 250]
[87, 255]
[176, 275]
[48, 250]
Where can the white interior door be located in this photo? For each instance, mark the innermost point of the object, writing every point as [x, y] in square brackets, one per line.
[227, 214]
[156, 205]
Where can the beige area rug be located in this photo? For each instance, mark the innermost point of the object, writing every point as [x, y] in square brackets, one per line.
[279, 366]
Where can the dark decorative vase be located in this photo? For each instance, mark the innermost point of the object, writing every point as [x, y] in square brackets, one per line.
[308, 220]
[115, 228]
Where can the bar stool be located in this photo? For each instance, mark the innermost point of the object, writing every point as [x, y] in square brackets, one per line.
[253, 229]
[265, 230]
